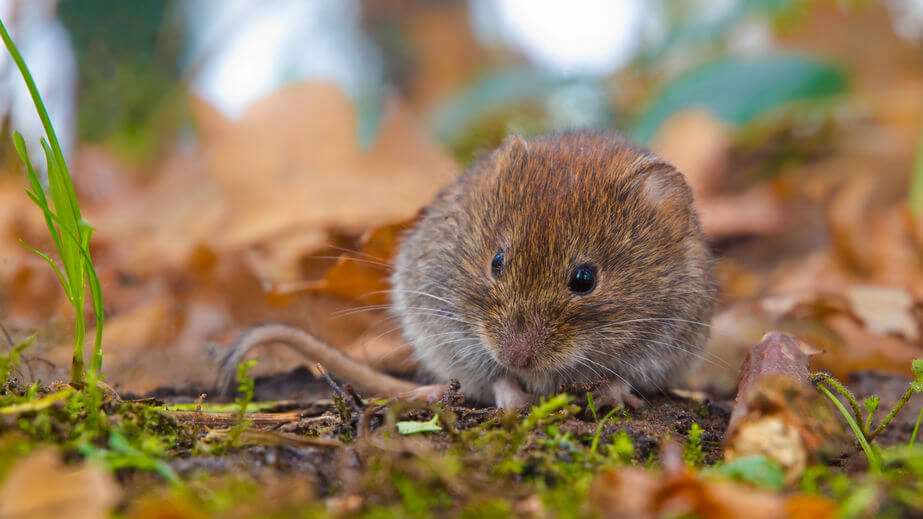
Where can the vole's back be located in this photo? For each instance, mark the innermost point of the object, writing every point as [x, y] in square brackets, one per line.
[571, 257]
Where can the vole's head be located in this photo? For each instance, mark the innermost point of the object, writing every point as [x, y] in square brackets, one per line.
[574, 248]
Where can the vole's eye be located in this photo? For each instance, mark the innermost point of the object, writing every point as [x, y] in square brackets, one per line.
[583, 280]
[496, 264]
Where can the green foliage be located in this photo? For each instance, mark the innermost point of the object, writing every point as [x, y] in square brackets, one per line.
[9, 361]
[692, 450]
[69, 231]
[736, 90]
[599, 426]
[130, 92]
[862, 427]
[622, 447]
[121, 454]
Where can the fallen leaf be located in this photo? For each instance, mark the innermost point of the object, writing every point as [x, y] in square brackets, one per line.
[638, 493]
[40, 485]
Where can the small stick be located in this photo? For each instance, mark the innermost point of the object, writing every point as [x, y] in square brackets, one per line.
[336, 388]
[7, 335]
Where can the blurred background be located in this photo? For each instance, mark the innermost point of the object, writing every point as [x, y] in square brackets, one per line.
[248, 161]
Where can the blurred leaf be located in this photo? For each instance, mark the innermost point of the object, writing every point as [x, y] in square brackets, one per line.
[41, 485]
[493, 91]
[370, 111]
[738, 89]
[419, 427]
[689, 30]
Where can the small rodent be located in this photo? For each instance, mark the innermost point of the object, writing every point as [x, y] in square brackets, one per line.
[568, 258]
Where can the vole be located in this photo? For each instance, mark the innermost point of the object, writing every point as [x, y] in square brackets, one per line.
[568, 258]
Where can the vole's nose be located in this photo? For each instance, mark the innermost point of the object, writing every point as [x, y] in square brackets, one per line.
[519, 348]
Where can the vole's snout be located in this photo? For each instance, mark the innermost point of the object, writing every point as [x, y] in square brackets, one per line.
[518, 348]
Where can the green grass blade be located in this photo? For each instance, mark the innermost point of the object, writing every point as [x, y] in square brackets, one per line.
[37, 194]
[71, 234]
[51, 262]
[874, 463]
[33, 91]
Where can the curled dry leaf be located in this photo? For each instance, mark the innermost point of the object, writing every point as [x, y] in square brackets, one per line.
[778, 414]
[867, 326]
[41, 485]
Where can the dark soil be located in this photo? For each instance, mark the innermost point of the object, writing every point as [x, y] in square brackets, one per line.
[662, 417]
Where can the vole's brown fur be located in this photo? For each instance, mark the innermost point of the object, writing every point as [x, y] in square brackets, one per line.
[551, 205]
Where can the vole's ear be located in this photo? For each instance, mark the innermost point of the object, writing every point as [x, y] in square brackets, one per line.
[513, 149]
[663, 185]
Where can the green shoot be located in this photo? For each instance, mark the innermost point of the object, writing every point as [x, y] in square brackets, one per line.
[245, 388]
[692, 451]
[862, 426]
[591, 405]
[916, 429]
[871, 405]
[599, 426]
[874, 463]
[69, 231]
[11, 359]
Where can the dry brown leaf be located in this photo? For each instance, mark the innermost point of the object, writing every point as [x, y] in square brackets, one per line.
[363, 276]
[636, 493]
[41, 486]
[699, 145]
[292, 164]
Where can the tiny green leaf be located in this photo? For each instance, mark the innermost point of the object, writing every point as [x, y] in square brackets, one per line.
[871, 404]
[411, 427]
[757, 470]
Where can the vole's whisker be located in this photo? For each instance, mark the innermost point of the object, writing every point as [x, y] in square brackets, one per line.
[379, 265]
[705, 356]
[649, 319]
[418, 292]
[358, 310]
[359, 253]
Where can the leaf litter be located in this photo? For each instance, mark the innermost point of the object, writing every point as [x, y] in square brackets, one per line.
[198, 247]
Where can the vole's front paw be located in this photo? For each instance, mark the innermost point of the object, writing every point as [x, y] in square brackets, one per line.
[508, 394]
[615, 394]
[429, 394]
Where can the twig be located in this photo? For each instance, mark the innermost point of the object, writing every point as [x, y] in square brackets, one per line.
[357, 400]
[6, 334]
[339, 390]
[276, 437]
[226, 419]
